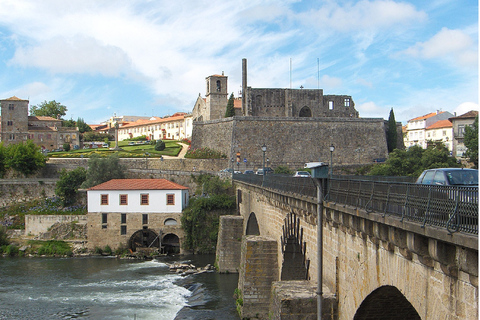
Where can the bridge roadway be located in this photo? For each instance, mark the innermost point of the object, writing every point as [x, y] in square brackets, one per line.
[386, 255]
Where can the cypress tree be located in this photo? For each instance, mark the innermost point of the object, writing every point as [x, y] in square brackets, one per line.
[230, 112]
[391, 132]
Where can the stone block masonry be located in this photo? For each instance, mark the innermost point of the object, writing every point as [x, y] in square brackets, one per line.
[258, 271]
[229, 243]
[37, 224]
[294, 141]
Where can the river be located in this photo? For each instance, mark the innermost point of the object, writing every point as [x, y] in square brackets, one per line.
[111, 288]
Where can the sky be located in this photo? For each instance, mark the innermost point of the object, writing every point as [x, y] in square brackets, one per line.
[151, 57]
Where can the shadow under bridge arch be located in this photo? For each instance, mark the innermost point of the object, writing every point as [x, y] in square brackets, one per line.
[170, 243]
[145, 238]
[386, 303]
[295, 266]
[252, 225]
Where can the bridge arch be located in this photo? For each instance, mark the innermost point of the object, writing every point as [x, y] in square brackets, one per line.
[295, 265]
[386, 303]
[144, 238]
[252, 225]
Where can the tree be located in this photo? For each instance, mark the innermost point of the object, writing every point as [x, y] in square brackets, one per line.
[414, 160]
[230, 112]
[103, 169]
[96, 136]
[66, 146]
[391, 132]
[471, 142]
[83, 126]
[50, 109]
[68, 184]
[3, 155]
[69, 123]
[25, 158]
[159, 145]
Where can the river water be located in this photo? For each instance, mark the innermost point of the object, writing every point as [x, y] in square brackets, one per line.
[111, 288]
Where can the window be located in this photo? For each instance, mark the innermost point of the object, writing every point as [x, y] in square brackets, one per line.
[11, 106]
[461, 130]
[104, 200]
[144, 199]
[123, 200]
[330, 105]
[145, 218]
[12, 136]
[170, 199]
[123, 218]
[123, 230]
[9, 123]
[444, 133]
[104, 218]
[219, 86]
[347, 102]
[49, 136]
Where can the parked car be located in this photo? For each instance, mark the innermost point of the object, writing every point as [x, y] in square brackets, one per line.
[230, 170]
[268, 170]
[302, 174]
[249, 172]
[105, 145]
[449, 177]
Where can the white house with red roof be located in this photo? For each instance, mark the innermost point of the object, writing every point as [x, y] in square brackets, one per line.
[136, 214]
[441, 131]
[416, 128]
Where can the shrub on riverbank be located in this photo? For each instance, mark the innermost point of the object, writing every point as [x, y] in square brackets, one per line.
[53, 247]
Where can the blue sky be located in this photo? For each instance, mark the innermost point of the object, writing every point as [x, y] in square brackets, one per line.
[151, 57]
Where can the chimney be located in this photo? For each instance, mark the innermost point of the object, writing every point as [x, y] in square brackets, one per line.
[244, 86]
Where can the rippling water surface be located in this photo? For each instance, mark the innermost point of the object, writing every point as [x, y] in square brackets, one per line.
[110, 288]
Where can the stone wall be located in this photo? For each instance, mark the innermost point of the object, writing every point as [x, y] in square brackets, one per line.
[294, 141]
[229, 242]
[15, 191]
[37, 224]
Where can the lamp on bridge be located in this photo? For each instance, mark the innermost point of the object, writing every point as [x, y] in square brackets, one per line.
[332, 148]
[264, 149]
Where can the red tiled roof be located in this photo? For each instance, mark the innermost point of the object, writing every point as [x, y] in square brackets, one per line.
[14, 98]
[149, 122]
[426, 116]
[139, 184]
[469, 115]
[43, 118]
[440, 124]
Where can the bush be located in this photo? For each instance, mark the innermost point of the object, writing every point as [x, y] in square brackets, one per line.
[204, 153]
[66, 147]
[55, 247]
[283, 170]
[107, 250]
[159, 145]
[10, 250]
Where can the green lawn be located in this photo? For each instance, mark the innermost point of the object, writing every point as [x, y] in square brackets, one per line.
[172, 148]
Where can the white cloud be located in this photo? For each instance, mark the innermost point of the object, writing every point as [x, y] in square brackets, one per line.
[74, 55]
[363, 15]
[454, 45]
[370, 110]
[465, 107]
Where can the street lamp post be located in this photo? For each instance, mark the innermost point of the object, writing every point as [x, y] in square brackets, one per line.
[332, 148]
[264, 149]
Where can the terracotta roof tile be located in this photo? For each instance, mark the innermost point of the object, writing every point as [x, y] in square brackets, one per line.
[440, 124]
[469, 115]
[139, 184]
[14, 98]
[237, 103]
[43, 118]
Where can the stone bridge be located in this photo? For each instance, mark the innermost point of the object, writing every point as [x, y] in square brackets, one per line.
[375, 265]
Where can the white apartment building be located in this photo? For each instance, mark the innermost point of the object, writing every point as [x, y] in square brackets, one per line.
[416, 128]
[177, 127]
[441, 131]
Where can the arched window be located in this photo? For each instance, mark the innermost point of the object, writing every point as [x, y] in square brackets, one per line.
[171, 222]
[219, 86]
[305, 112]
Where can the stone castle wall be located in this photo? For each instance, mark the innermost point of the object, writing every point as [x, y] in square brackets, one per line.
[294, 141]
[37, 224]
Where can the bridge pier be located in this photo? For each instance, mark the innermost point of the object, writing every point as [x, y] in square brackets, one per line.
[258, 270]
[229, 243]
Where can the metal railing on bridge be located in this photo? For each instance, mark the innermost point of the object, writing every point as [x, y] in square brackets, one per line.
[452, 207]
